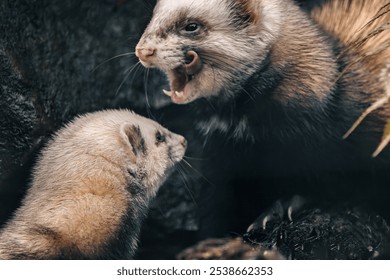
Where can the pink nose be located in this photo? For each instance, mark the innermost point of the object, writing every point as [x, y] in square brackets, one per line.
[145, 53]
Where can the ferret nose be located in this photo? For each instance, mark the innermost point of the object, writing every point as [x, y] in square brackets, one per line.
[144, 53]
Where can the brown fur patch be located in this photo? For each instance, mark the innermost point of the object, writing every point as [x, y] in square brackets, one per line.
[136, 139]
[248, 10]
[45, 231]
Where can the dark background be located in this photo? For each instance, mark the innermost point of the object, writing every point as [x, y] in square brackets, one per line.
[57, 61]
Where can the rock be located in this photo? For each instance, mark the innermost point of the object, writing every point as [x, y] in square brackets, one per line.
[228, 249]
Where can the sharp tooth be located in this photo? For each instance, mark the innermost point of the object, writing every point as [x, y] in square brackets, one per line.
[169, 93]
[179, 93]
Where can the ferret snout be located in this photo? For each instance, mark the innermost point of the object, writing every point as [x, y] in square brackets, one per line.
[145, 54]
[179, 140]
[178, 147]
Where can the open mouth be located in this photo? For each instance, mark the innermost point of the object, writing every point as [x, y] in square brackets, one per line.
[180, 78]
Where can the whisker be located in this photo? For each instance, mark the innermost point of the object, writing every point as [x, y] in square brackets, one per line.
[150, 114]
[148, 106]
[194, 158]
[127, 72]
[114, 57]
[224, 62]
[146, 76]
[136, 72]
[147, 5]
[185, 182]
[197, 172]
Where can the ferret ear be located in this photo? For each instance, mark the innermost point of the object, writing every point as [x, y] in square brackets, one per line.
[248, 10]
[131, 135]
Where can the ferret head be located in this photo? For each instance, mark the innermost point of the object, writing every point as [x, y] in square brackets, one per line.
[208, 47]
[116, 148]
[154, 151]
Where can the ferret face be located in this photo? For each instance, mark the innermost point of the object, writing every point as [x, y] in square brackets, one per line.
[117, 148]
[208, 47]
[156, 151]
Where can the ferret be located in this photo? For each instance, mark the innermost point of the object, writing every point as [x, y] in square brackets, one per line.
[276, 77]
[278, 87]
[269, 71]
[91, 188]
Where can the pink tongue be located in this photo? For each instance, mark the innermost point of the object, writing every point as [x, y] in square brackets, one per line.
[195, 65]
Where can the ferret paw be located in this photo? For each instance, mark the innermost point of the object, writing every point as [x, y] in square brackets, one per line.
[279, 212]
[271, 221]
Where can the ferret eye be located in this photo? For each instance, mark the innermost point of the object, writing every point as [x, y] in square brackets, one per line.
[191, 27]
[160, 138]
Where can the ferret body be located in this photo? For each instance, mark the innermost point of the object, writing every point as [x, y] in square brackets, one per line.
[279, 88]
[91, 189]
